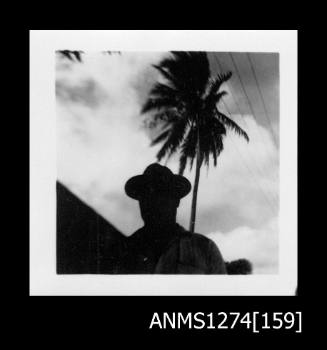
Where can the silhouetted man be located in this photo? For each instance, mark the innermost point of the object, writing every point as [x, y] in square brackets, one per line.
[162, 246]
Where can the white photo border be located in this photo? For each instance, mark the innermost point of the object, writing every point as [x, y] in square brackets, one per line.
[43, 277]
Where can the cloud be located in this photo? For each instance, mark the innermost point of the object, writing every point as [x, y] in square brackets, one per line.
[99, 146]
[260, 246]
[101, 143]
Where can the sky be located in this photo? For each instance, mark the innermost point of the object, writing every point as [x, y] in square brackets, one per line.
[102, 141]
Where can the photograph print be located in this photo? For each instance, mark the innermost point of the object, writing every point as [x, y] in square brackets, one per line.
[167, 162]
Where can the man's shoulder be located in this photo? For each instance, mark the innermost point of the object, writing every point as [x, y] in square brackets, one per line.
[136, 236]
[201, 239]
[137, 232]
[196, 237]
[180, 234]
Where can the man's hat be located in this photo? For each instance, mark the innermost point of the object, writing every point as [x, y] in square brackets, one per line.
[157, 179]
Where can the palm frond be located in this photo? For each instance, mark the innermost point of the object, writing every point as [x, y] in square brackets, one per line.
[174, 138]
[218, 148]
[165, 116]
[158, 103]
[214, 153]
[219, 96]
[201, 68]
[161, 90]
[219, 80]
[211, 101]
[72, 55]
[210, 130]
[168, 76]
[188, 149]
[232, 125]
[161, 137]
[182, 164]
[213, 95]
[188, 71]
[177, 71]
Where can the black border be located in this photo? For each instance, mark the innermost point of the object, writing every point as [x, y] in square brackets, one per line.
[133, 313]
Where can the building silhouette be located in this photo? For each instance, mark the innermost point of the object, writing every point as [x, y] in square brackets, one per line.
[86, 242]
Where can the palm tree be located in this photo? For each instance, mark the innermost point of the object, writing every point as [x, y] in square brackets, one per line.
[185, 105]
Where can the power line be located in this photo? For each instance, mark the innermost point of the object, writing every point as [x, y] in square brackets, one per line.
[244, 91]
[242, 85]
[262, 99]
[232, 95]
[240, 112]
[273, 208]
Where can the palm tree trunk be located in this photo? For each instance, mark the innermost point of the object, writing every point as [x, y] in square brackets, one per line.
[195, 188]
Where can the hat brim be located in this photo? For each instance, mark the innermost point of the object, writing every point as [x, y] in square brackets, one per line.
[137, 186]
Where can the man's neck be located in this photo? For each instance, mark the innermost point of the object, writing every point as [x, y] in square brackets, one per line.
[160, 226]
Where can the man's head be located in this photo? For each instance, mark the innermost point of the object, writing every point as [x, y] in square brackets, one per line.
[159, 192]
[158, 209]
